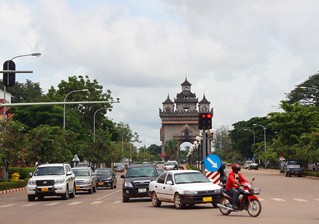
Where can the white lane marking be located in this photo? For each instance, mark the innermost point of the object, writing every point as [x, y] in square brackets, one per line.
[75, 203]
[96, 202]
[29, 205]
[261, 199]
[278, 199]
[6, 206]
[114, 192]
[317, 199]
[53, 203]
[300, 199]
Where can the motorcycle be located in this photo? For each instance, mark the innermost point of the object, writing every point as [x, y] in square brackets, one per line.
[247, 201]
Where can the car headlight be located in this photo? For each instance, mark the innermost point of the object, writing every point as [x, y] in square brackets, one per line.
[109, 178]
[127, 184]
[190, 192]
[31, 182]
[59, 181]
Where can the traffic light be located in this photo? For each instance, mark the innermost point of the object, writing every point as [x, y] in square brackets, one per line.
[9, 79]
[205, 121]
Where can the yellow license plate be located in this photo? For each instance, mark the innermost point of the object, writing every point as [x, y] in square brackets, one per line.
[77, 188]
[100, 183]
[207, 199]
[44, 189]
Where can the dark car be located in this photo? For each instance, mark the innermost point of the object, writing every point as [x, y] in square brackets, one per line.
[137, 180]
[106, 178]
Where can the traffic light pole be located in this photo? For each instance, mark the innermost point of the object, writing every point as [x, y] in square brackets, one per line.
[204, 149]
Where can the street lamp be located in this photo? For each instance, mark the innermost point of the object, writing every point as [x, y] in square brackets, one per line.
[264, 128]
[103, 108]
[4, 87]
[247, 129]
[79, 90]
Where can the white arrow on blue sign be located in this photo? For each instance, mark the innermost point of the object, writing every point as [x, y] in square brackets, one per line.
[212, 162]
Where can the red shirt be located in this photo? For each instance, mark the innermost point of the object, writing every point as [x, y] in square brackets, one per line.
[232, 182]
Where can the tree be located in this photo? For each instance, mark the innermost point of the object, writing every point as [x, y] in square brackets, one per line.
[222, 141]
[50, 144]
[12, 141]
[308, 94]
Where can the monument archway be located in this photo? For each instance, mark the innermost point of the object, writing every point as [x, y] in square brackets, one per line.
[180, 120]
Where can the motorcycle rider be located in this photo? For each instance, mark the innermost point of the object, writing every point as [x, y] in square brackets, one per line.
[233, 183]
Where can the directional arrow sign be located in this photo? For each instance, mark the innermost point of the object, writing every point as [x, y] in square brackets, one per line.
[212, 162]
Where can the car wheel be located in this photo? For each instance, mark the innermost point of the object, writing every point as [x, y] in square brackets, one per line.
[90, 191]
[177, 201]
[31, 198]
[155, 201]
[65, 196]
[94, 188]
[125, 199]
[72, 194]
[112, 186]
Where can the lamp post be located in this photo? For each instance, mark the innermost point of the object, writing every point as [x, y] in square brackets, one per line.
[247, 129]
[74, 91]
[103, 108]
[4, 87]
[264, 128]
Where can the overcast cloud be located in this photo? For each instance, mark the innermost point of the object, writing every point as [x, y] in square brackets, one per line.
[243, 55]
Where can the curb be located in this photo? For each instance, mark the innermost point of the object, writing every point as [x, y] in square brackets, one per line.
[12, 190]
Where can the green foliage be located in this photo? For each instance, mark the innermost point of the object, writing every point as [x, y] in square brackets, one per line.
[23, 171]
[12, 184]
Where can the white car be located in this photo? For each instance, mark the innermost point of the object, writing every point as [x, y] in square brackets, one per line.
[183, 187]
[171, 165]
[51, 180]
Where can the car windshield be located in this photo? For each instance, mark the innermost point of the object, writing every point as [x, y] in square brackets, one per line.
[141, 172]
[187, 178]
[103, 172]
[293, 163]
[81, 172]
[51, 170]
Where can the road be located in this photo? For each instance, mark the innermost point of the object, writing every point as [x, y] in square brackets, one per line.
[284, 200]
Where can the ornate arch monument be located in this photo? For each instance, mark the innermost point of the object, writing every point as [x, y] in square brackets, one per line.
[180, 118]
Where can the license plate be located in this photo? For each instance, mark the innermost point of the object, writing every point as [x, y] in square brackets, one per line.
[142, 190]
[44, 189]
[78, 188]
[100, 183]
[207, 199]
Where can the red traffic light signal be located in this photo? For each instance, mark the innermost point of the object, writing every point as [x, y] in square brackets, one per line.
[205, 121]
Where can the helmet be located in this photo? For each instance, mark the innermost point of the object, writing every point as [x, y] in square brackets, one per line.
[236, 168]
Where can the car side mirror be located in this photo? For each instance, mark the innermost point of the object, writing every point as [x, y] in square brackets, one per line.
[169, 182]
[69, 173]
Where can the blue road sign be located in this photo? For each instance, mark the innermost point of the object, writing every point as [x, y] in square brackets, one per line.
[212, 163]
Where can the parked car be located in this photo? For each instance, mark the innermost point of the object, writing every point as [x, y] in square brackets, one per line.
[293, 168]
[253, 166]
[247, 164]
[313, 166]
[136, 181]
[51, 180]
[171, 165]
[183, 187]
[85, 179]
[106, 178]
[119, 167]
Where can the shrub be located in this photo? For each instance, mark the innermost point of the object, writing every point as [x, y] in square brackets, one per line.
[12, 184]
[23, 171]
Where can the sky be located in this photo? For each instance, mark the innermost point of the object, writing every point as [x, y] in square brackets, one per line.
[244, 55]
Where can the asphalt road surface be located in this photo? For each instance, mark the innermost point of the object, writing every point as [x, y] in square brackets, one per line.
[291, 200]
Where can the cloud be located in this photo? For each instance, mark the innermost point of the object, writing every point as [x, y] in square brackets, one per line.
[243, 55]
